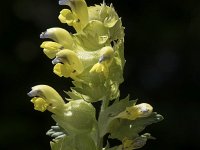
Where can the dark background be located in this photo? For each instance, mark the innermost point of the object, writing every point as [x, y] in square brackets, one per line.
[162, 49]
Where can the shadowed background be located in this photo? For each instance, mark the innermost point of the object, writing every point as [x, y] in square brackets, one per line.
[162, 49]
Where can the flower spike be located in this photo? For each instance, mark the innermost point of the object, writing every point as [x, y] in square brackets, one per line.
[93, 57]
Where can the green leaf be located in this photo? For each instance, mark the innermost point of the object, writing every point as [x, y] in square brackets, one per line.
[117, 31]
[96, 88]
[119, 49]
[121, 128]
[109, 114]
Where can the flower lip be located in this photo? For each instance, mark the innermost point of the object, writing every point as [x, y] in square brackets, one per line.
[63, 2]
[102, 58]
[57, 60]
[34, 93]
[44, 35]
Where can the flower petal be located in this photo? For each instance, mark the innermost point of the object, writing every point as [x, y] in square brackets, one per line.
[51, 48]
[39, 104]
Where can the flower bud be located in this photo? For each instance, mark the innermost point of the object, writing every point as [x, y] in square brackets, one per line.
[106, 54]
[137, 111]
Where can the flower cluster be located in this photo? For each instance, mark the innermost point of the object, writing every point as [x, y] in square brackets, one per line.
[93, 58]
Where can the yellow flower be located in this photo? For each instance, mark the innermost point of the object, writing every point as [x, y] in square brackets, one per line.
[45, 97]
[79, 11]
[105, 60]
[61, 70]
[66, 16]
[137, 111]
[51, 48]
[39, 104]
[67, 64]
[60, 36]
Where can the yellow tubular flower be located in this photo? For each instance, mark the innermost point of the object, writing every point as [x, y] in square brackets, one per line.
[105, 61]
[137, 111]
[66, 16]
[67, 64]
[79, 9]
[60, 36]
[61, 70]
[51, 48]
[45, 97]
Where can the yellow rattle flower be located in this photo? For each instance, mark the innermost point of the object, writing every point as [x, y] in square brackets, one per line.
[67, 64]
[105, 60]
[79, 13]
[45, 97]
[59, 35]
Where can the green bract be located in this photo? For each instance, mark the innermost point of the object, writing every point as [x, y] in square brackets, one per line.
[93, 58]
[77, 117]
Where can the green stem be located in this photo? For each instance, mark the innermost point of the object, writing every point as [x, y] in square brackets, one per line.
[104, 105]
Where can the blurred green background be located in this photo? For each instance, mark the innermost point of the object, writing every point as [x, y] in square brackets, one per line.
[162, 49]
